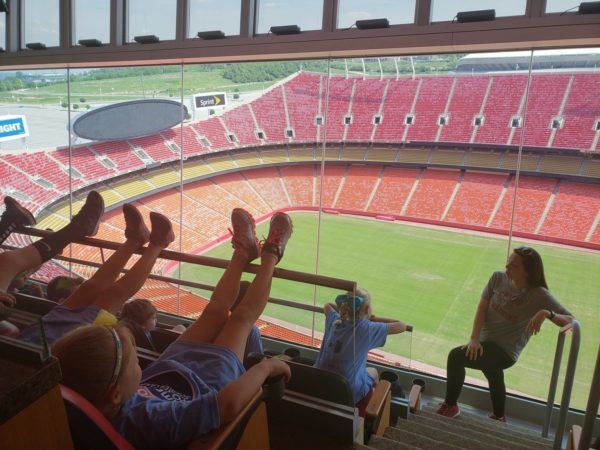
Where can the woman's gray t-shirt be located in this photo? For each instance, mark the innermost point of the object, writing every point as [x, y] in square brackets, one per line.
[510, 310]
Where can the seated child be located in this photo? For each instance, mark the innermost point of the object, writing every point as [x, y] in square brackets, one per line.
[140, 316]
[199, 382]
[100, 298]
[350, 332]
[61, 287]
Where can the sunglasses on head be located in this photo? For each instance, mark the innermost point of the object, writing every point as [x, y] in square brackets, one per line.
[527, 251]
[357, 300]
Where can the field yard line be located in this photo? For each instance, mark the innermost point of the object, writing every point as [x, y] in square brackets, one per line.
[467, 280]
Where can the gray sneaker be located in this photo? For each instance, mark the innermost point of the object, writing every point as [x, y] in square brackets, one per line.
[17, 215]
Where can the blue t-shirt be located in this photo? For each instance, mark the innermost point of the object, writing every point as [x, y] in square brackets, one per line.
[346, 355]
[254, 342]
[58, 322]
[177, 398]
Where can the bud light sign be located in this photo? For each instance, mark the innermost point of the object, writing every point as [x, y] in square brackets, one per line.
[13, 127]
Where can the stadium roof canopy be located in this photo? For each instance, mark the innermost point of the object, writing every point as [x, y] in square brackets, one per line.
[586, 58]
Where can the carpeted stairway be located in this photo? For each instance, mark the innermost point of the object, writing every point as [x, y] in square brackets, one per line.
[428, 431]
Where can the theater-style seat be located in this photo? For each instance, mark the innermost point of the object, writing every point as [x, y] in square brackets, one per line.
[322, 402]
[90, 430]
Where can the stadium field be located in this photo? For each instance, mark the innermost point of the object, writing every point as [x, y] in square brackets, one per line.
[432, 279]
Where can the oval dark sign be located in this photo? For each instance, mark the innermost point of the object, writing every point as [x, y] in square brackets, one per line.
[129, 119]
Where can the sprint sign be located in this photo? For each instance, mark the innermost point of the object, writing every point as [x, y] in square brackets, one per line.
[212, 100]
[13, 127]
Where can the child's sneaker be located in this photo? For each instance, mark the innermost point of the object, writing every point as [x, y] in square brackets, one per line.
[244, 233]
[448, 410]
[87, 220]
[135, 228]
[16, 215]
[162, 230]
[280, 230]
[499, 419]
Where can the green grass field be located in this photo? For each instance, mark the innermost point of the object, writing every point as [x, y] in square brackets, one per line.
[127, 88]
[432, 279]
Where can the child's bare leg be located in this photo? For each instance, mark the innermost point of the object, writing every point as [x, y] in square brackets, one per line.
[14, 262]
[237, 328]
[136, 234]
[115, 294]
[84, 223]
[113, 297]
[245, 243]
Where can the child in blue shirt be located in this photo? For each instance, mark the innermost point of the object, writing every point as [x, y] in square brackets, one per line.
[350, 332]
[99, 299]
[198, 383]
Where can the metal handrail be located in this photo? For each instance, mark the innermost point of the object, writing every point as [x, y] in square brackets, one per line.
[560, 343]
[592, 408]
[179, 282]
[286, 274]
[568, 385]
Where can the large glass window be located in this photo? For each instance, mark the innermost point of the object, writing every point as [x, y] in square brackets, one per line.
[414, 177]
[349, 11]
[3, 30]
[151, 17]
[208, 15]
[559, 6]
[443, 10]
[308, 15]
[41, 22]
[91, 20]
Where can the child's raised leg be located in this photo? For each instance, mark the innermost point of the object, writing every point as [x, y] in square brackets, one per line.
[84, 223]
[237, 328]
[216, 313]
[136, 235]
[115, 294]
[14, 218]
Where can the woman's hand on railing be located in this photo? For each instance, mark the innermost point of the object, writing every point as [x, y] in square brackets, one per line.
[536, 322]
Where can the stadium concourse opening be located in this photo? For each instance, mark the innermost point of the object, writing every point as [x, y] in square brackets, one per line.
[414, 177]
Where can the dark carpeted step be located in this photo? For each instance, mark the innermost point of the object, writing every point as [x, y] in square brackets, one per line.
[488, 424]
[477, 432]
[383, 443]
[454, 437]
[410, 438]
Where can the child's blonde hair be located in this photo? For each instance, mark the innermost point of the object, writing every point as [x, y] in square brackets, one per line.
[88, 358]
[345, 309]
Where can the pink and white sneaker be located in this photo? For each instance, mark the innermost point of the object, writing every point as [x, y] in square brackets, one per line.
[244, 233]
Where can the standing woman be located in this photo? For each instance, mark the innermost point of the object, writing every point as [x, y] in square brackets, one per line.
[513, 306]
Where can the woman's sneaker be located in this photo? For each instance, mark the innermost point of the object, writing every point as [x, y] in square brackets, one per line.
[162, 230]
[244, 233]
[448, 410]
[135, 228]
[280, 230]
[499, 419]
